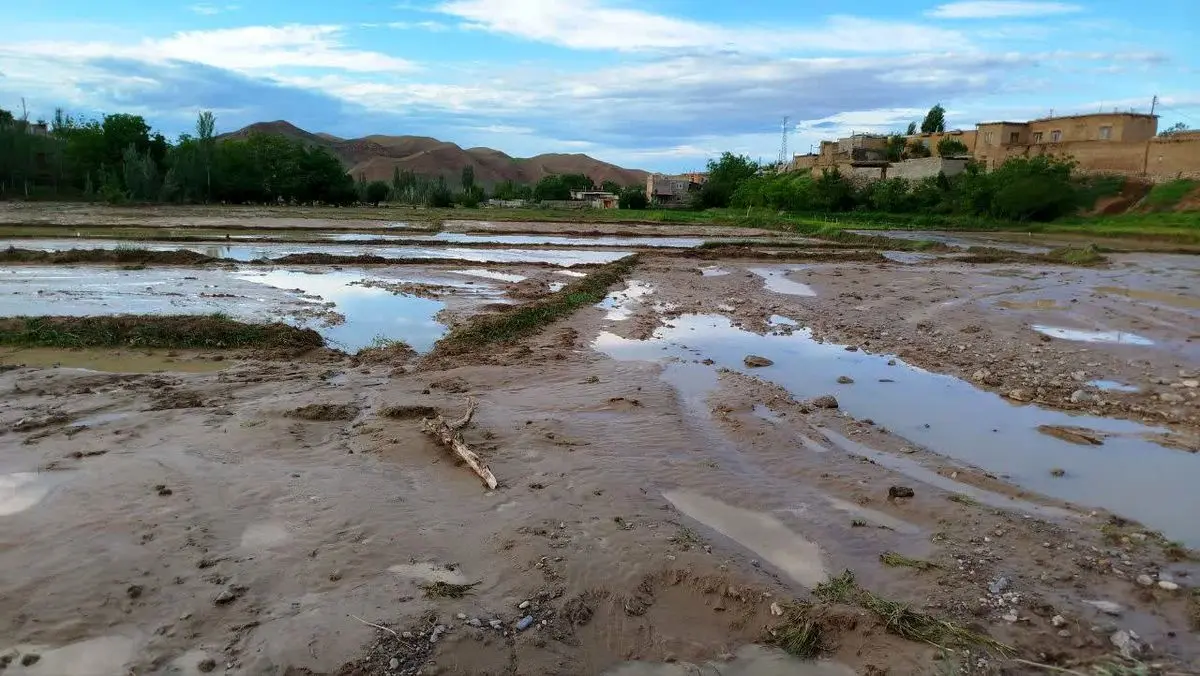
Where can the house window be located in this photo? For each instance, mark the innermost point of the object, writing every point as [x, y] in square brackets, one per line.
[1014, 137]
[1105, 133]
[1037, 137]
[1056, 136]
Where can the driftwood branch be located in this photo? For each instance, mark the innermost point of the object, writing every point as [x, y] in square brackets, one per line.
[449, 434]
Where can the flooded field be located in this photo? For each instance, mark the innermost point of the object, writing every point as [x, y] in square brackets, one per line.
[696, 465]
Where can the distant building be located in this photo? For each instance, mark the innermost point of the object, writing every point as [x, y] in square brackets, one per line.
[599, 199]
[673, 191]
[1109, 143]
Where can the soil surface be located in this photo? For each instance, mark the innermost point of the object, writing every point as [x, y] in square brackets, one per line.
[661, 506]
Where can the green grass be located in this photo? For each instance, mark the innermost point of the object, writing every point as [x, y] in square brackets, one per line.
[525, 320]
[902, 620]
[151, 331]
[900, 561]
[799, 634]
[1167, 195]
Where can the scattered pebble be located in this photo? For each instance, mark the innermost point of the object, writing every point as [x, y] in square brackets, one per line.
[776, 609]
[999, 585]
[825, 401]
[393, 663]
[461, 616]
[230, 594]
[1167, 585]
[524, 605]
[1058, 621]
[1145, 580]
[1106, 607]
[134, 591]
[1128, 643]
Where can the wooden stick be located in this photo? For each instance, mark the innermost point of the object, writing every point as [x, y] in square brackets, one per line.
[449, 435]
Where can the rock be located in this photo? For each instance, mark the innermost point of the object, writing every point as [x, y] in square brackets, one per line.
[525, 623]
[851, 348]
[1058, 621]
[1167, 585]
[523, 606]
[393, 664]
[230, 594]
[1127, 643]
[1010, 617]
[845, 380]
[1058, 471]
[475, 622]
[825, 401]
[206, 665]
[134, 591]
[754, 361]
[1080, 397]
[776, 609]
[30, 659]
[1020, 395]
[1106, 607]
[901, 492]
[495, 624]
[1171, 398]
[999, 585]
[1064, 633]
[891, 362]
[162, 490]
[461, 616]
[1193, 384]
[1145, 580]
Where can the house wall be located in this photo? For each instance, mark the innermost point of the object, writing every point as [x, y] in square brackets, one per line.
[924, 167]
[1122, 128]
[1158, 159]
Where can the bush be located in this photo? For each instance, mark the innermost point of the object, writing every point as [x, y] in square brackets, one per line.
[377, 191]
[951, 146]
[633, 197]
[1166, 195]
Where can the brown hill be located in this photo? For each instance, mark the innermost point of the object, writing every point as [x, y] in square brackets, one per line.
[377, 157]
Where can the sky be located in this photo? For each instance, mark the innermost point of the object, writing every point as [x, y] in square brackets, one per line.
[662, 85]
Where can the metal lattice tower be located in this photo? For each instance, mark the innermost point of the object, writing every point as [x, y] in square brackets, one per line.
[783, 150]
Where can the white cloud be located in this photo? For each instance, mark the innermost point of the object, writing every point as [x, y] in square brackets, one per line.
[1001, 9]
[248, 50]
[596, 25]
[206, 9]
[432, 26]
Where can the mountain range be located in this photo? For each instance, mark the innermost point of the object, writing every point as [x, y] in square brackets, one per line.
[377, 157]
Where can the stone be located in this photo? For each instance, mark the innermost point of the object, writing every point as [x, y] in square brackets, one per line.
[1009, 617]
[523, 606]
[134, 591]
[1020, 395]
[825, 401]
[1193, 384]
[776, 609]
[475, 622]
[852, 348]
[461, 616]
[207, 665]
[1080, 397]
[901, 492]
[1107, 607]
[495, 624]
[1058, 621]
[1171, 398]
[393, 664]
[754, 361]
[891, 362]
[845, 380]
[999, 585]
[1145, 580]
[1064, 633]
[230, 594]
[1167, 585]
[1128, 643]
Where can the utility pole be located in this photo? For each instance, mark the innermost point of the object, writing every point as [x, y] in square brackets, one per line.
[1153, 104]
[783, 158]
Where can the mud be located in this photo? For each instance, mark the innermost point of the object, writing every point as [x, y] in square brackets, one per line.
[659, 501]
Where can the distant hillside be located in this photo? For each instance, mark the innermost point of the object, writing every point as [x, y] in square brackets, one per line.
[378, 156]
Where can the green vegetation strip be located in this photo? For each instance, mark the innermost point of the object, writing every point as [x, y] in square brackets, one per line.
[120, 254]
[150, 331]
[525, 320]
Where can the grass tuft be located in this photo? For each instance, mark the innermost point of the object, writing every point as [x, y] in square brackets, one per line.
[1167, 195]
[527, 319]
[900, 561]
[449, 589]
[408, 412]
[798, 634]
[168, 331]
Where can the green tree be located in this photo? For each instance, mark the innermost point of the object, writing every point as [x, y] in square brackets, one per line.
[895, 148]
[377, 191]
[916, 148]
[468, 178]
[935, 120]
[613, 187]
[948, 145]
[725, 175]
[912, 129]
[632, 197]
[1177, 128]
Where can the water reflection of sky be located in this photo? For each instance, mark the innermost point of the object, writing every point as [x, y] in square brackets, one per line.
[952, 417]
[370, 312]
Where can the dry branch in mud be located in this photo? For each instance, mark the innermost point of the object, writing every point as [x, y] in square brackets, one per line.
[449, 434]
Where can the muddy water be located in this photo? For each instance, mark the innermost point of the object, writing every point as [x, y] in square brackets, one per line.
[776, 279]
[252, 252]
[953, 418]
[1085, 336]
[113, 361]
[620, 304]
[962, 240]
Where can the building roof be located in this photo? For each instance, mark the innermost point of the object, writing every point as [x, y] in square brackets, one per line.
[1102, 114]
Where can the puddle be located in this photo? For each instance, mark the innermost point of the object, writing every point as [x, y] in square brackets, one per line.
[776, 280]
[1118, 337]
[492, 274]
[99, 419]
[246, 252]
[1041, 304]
[21, 491]
[369, 312]
[1172, 299]
[104, 656]
[264, 535]
[953, 418]
[571, 273]
[873, 516]
[751, 660]
[620, 304]
[780, 320]
[713, 272]
[110, 361]
[956, 240]
[761, 533]
[428, 572]
[909, 257]
[1113, 386]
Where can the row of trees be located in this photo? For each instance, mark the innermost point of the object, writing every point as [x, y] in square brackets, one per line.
[1035, 188]
[119, 158]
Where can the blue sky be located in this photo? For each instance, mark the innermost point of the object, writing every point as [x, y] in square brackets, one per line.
[656, 84]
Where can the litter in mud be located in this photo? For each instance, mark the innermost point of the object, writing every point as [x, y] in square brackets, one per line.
[449, 434]
[1117, 337]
